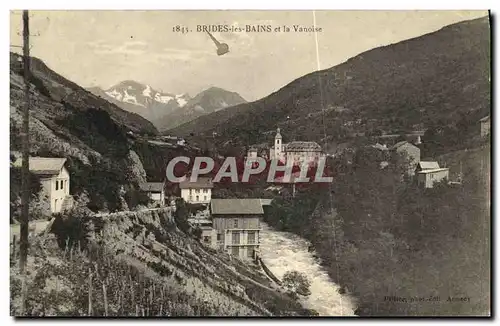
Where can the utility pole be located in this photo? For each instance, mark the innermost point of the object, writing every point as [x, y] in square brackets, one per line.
[25, 165]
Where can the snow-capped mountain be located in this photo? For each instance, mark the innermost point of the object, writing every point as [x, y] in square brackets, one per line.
[166, 110]
[210, 100]
[142, 99]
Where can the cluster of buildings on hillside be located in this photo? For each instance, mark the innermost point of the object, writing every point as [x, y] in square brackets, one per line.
[233, 225]
[425, 173]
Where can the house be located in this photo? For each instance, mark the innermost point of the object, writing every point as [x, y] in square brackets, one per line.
[155, 191]
[237, 224]
[409, 151]
[296, 152]
[54, 178]
[252, 153]
[485, 126]
[429, 173]
[208, 233]
[199, 192]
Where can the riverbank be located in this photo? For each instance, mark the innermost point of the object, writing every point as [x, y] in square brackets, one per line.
[284, 251]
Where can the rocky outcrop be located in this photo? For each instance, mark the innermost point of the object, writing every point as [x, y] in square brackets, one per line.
[136, 169]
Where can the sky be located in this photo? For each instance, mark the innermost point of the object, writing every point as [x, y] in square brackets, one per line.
[102, 48]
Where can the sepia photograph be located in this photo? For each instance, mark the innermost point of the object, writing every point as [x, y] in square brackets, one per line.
[250, 163]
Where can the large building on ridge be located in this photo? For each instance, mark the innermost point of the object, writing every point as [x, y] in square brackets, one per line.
[296, 152]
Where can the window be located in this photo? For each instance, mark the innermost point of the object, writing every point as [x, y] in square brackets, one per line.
[250, 252]
[235, 223]
[190, 198]
[190, 191]
[236, 237]
[197, 198]
[251, 237]
[219, 236]
[204, 198]
[62, 184]
[57, 184]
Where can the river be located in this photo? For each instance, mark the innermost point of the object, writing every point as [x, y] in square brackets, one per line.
[284, 251]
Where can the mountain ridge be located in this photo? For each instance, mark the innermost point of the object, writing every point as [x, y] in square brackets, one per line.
[166, 110]
[406, 85]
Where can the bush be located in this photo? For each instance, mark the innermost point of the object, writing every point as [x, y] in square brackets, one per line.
[74, 228]
[296, 283]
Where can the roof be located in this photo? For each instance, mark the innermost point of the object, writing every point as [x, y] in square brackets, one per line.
[486, 118]
[432, 170]
[302, 146]
[44, 165]
[236, 206]
[152, 186]
[428, 165]
[200, 183]
[400, 144]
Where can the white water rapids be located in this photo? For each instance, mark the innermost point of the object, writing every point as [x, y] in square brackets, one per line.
[284, 251]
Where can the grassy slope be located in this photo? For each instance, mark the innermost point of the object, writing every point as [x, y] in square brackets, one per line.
[149, 267]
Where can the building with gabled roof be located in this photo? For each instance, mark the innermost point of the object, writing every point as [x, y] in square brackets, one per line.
[54, 178]
[295, 152]
[237, 224]
[429, 176]
[197, 192]
[155, 191]
[407, 151]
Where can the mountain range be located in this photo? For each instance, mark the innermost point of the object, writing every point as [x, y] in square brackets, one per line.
[166, 110]
[434, 79]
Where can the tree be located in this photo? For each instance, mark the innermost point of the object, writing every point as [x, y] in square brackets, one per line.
[296, 283]
[181, 215]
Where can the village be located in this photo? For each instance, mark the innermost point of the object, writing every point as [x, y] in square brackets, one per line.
[233, 225]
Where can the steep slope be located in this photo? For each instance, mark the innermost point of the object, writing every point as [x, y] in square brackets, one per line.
[67, 121]
[141, 99]
[210, 100]
[430, 79]
[140, 264]
[61, 90]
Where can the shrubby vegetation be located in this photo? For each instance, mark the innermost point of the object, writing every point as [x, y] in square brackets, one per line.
[296, 283]
[37, 208]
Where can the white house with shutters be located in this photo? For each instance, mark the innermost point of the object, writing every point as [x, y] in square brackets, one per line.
[199, 192]
[55, 180]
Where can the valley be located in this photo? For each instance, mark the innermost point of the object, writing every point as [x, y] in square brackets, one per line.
[402, 131]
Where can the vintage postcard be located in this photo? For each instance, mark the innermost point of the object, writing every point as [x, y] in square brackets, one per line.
[226, 163]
